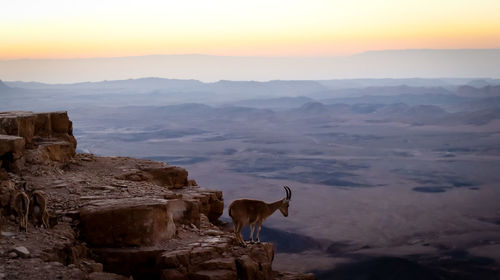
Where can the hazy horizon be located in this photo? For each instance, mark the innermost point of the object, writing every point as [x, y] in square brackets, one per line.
[408, 63]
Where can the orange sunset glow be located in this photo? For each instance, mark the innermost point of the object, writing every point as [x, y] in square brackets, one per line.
[64, 29]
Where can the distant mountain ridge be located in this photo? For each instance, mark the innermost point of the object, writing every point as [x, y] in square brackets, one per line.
[486, 91]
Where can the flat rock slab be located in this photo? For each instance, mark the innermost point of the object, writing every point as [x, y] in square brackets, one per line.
[172, 177]
[126, 222]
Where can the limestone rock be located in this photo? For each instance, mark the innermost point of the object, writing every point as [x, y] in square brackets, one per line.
[125, 222]
[21, 251]
[172, 177]
[106, 276]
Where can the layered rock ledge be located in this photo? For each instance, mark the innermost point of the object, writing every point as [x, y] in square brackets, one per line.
[112, 217]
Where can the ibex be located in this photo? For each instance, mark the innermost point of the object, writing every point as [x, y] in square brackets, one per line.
[251, 212]
[21, 204]
[38, 209]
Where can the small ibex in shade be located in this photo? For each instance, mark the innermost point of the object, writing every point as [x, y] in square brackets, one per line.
[251, 212]
[21, 205]
[38, 209]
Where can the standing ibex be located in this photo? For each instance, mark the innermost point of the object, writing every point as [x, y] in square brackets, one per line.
[38, 209]
[250, 212]
[21, 204]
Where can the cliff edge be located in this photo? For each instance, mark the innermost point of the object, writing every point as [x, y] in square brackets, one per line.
[111, 217]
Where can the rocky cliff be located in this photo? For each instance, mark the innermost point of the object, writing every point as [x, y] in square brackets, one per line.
[111, 217]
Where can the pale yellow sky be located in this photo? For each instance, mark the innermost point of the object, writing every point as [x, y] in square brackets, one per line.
[104, 28]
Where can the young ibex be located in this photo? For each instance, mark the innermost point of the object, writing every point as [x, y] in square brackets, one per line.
[38, 208]
[21, 204]
[250, 212]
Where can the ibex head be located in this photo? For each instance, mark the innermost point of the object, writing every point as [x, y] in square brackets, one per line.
[286, 201]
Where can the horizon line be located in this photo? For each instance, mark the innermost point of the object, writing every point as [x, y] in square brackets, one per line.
[256, 81]
[257, 56]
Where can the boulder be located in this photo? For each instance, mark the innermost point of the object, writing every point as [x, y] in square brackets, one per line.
[172, 177]
[125, 222]
[21, 251]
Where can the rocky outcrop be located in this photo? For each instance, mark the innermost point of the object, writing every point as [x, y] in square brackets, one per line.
[36, 138]
[112, 217]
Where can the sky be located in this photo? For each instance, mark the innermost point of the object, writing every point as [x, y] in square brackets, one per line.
[59, 29]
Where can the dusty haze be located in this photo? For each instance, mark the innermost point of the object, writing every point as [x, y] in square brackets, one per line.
[374, 64]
